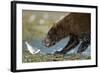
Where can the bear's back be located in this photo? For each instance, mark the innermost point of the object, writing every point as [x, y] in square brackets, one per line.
[78, 22]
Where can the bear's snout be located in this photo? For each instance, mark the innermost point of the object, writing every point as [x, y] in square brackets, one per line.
[46, 42]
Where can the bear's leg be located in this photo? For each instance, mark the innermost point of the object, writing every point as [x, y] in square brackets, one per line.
[83, 47]
[73, 42]
[85, 42]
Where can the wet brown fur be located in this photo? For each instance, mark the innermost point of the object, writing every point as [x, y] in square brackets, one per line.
[74, 23]
[71, 25]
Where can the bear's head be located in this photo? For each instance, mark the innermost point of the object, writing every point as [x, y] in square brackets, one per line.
[51, 37]
[55, 34]
[58, 31]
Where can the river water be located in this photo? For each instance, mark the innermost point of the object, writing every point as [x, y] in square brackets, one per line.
[37, 43]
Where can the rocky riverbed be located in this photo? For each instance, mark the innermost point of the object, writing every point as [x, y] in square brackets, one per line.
[27, 57]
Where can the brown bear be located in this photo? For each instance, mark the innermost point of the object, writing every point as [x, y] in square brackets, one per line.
[72, 25]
